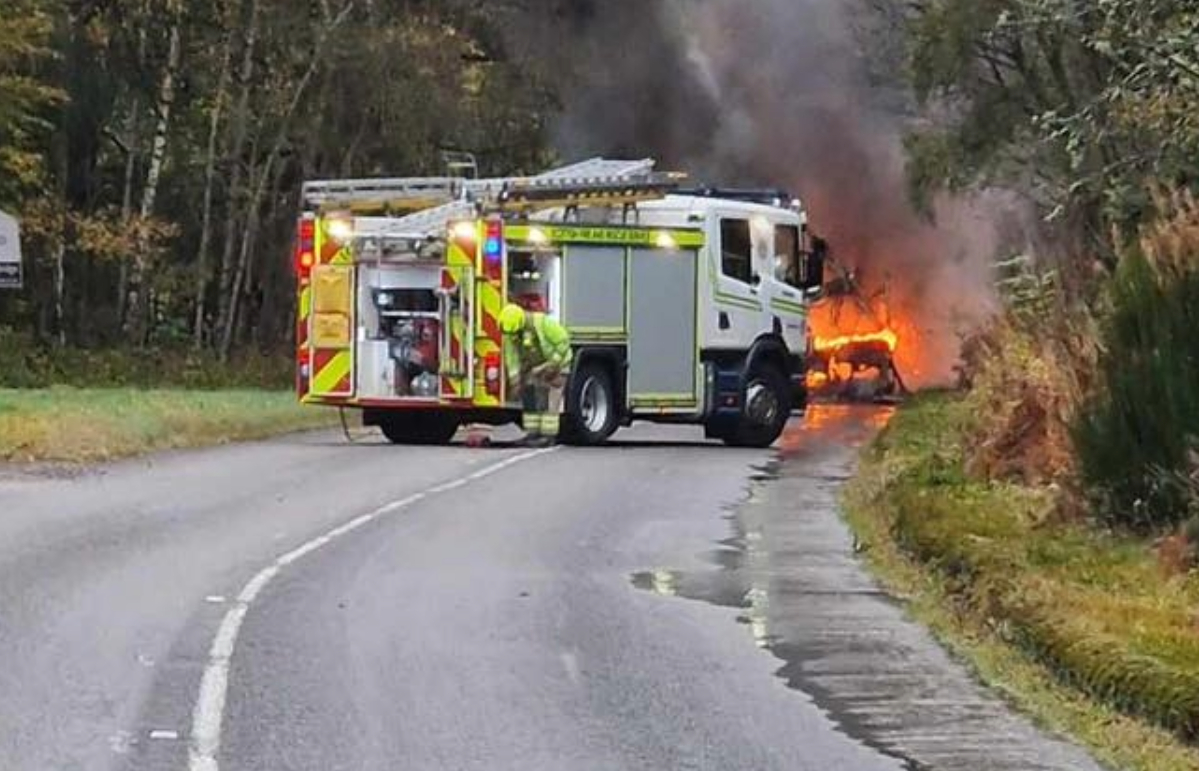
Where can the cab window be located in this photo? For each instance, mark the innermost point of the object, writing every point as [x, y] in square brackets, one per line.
[736, 250]
[787, 258]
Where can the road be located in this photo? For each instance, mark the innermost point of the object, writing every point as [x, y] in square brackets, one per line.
[309, 604]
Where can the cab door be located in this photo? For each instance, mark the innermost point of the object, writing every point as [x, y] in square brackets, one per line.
[782, 284]
[457, 344]
[738, 305]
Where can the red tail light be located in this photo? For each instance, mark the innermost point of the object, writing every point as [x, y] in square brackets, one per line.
[303, 371]
[306, 245]
[492, 374]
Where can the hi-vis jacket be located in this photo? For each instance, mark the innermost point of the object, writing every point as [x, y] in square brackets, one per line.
[546, 345]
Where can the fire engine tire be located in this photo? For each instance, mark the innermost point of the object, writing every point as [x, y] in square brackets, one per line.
[768, 388]
[592, 415]
[420, 428]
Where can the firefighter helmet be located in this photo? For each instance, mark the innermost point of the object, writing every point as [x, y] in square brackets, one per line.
[512, 319]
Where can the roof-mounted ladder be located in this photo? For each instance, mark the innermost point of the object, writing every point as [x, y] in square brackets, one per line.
[598, 182]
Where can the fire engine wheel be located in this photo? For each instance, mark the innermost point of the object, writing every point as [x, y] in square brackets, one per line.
[766, 412]
[591, 416]
[420, 428]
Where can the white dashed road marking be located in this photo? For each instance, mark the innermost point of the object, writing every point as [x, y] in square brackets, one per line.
[214, 685]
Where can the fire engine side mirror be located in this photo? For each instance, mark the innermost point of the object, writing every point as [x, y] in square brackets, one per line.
[814, 261]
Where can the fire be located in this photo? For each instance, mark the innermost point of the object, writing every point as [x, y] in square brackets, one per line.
[854, 348]
[887, 337]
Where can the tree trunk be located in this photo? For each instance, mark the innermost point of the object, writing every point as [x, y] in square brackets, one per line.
[237, 147]
[132, 141]
[138, 303]
[202, 269]
[60, 316]
[265, 175]
[253, 323]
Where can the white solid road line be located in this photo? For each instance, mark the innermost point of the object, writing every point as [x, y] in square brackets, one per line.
[214, 685]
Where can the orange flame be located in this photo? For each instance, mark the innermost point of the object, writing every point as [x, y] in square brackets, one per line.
[851, 342]
[833, 344]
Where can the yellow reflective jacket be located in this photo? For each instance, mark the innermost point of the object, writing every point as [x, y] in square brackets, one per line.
[547, 343]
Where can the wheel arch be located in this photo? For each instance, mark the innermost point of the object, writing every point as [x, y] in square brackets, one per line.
[768, 349]
[615, 359]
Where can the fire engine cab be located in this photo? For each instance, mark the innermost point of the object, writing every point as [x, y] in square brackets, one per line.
[684, 305]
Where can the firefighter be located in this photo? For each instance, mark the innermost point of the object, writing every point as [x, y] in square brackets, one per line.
[538, 355]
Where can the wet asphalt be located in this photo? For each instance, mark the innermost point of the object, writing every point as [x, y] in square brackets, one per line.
[664, 603]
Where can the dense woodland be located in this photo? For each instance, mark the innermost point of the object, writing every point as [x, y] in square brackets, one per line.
[154, 148]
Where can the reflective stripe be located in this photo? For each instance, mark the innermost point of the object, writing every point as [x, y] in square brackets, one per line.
[303, 315]
[586, 234]
[305, 301]
[489, 340]
[788, 306]
[331, 375]
[458, 257]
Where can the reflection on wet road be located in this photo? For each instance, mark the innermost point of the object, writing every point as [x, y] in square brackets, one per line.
[788, 566]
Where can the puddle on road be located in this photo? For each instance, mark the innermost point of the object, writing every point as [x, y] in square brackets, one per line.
[762, 568]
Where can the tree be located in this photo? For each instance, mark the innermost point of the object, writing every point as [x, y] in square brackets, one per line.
[1078, 104]
[156, 147]
[24, 100]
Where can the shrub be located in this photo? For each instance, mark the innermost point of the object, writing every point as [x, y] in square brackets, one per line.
[28, 364]
[1026, 383]
[1135, 434]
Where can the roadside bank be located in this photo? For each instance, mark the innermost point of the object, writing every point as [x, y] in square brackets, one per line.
[1078, 626]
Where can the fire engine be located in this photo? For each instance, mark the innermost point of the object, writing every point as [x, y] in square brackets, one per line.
[685, 305]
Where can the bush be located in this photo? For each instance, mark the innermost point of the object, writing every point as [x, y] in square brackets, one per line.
[1135, 435]
[1025, 386]
[28, 364]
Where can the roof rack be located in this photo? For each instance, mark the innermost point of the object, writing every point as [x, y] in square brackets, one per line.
[432, 202]
[413, 193]
[765, 196]
[551, 192]
[402, 193]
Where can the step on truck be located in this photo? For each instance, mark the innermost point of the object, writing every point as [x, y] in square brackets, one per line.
[684, 305]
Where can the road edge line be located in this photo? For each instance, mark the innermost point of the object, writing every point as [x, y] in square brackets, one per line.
[209, 713]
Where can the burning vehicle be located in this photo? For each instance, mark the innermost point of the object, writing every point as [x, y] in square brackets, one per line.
[854, 343]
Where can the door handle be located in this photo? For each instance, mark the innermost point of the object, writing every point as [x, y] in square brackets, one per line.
[724, 321]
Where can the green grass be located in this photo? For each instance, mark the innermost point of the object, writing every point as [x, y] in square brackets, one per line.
[84, 425]
[1078, 626]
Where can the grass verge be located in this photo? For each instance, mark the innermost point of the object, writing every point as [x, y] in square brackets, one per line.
[1077, 627]
[84, 425]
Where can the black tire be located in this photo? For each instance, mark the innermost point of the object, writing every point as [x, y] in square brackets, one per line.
[762, 430]
[592, 412]
[419, 428]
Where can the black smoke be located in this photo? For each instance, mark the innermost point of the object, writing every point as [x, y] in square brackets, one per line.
[807, 95]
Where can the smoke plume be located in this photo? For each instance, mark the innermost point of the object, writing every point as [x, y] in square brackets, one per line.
[799, 94]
